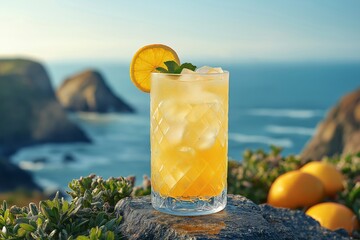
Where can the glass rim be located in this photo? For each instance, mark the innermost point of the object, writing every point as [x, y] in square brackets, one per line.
[190, 74]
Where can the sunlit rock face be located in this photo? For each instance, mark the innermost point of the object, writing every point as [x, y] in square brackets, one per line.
[29, 111]
[88, 92]
[339, 132]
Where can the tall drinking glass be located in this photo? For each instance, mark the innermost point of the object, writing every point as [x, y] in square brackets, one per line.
[189, 142]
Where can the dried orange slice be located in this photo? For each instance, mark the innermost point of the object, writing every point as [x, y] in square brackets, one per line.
[146, 60]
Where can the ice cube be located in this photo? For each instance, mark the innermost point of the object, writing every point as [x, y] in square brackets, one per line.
[173, 114]
[175, 133]
[211, 119]
[216, 70]
[207, 139]
[198, 110]
[187, 71]
[174, 110]
[207, 69]
[206, 99]
[203, 69]
[187, 150]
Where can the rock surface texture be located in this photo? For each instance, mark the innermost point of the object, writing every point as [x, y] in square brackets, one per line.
[88, 92]
[29, 110]
[339, 132]
[241, 219]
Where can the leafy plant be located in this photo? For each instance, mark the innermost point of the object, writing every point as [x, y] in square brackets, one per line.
[253, 176]
[94, 191]
[174, 67]
[143, 190]
[89, 215]
[350, 167]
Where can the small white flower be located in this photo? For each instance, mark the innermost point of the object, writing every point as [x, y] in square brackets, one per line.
[4, 230]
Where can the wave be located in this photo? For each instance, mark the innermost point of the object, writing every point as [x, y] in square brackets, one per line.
[30, 166]
[123, 138]
[48, 185]
[54, 152]
[290, 130]
[290, 113]
[242, 138]
[133, 119]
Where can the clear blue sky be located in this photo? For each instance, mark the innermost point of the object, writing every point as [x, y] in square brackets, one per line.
[230, 30]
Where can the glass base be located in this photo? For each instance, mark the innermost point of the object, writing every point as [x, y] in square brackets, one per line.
[195, 207]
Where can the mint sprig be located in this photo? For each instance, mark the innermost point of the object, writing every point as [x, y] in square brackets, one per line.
[174, 67]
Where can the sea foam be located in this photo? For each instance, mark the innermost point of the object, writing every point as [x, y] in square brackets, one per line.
[242, 138]
[290, 113]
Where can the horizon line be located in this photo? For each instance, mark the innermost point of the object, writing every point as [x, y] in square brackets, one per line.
[195, 59]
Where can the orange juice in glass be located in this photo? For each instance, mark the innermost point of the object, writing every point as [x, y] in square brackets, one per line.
[189, 142]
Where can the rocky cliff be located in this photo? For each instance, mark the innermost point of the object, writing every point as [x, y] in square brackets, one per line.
[88, 92]
[12, 177]
[29, 111]
[339, 132]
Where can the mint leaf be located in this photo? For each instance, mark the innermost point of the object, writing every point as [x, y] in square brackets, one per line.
[161, 69]
[173, 67]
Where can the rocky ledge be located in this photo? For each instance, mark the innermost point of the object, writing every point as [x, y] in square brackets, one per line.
[241, 219]
[12, 177]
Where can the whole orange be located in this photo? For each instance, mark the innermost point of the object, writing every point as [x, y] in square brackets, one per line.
[334, 216]
[295, 189]
[328, 175]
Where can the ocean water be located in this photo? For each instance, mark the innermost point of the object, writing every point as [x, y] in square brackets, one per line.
[270, 103]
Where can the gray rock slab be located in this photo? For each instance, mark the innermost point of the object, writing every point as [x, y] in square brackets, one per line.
[241, 219]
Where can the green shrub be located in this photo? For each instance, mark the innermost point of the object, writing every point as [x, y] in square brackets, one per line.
[253, 176]
[89, 214]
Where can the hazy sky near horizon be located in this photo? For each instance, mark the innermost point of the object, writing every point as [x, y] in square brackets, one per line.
[277, 30]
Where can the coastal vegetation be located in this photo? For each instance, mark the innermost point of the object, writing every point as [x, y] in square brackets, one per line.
[88, 213]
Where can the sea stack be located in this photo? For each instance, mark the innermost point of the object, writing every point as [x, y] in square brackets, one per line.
[88, 91]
